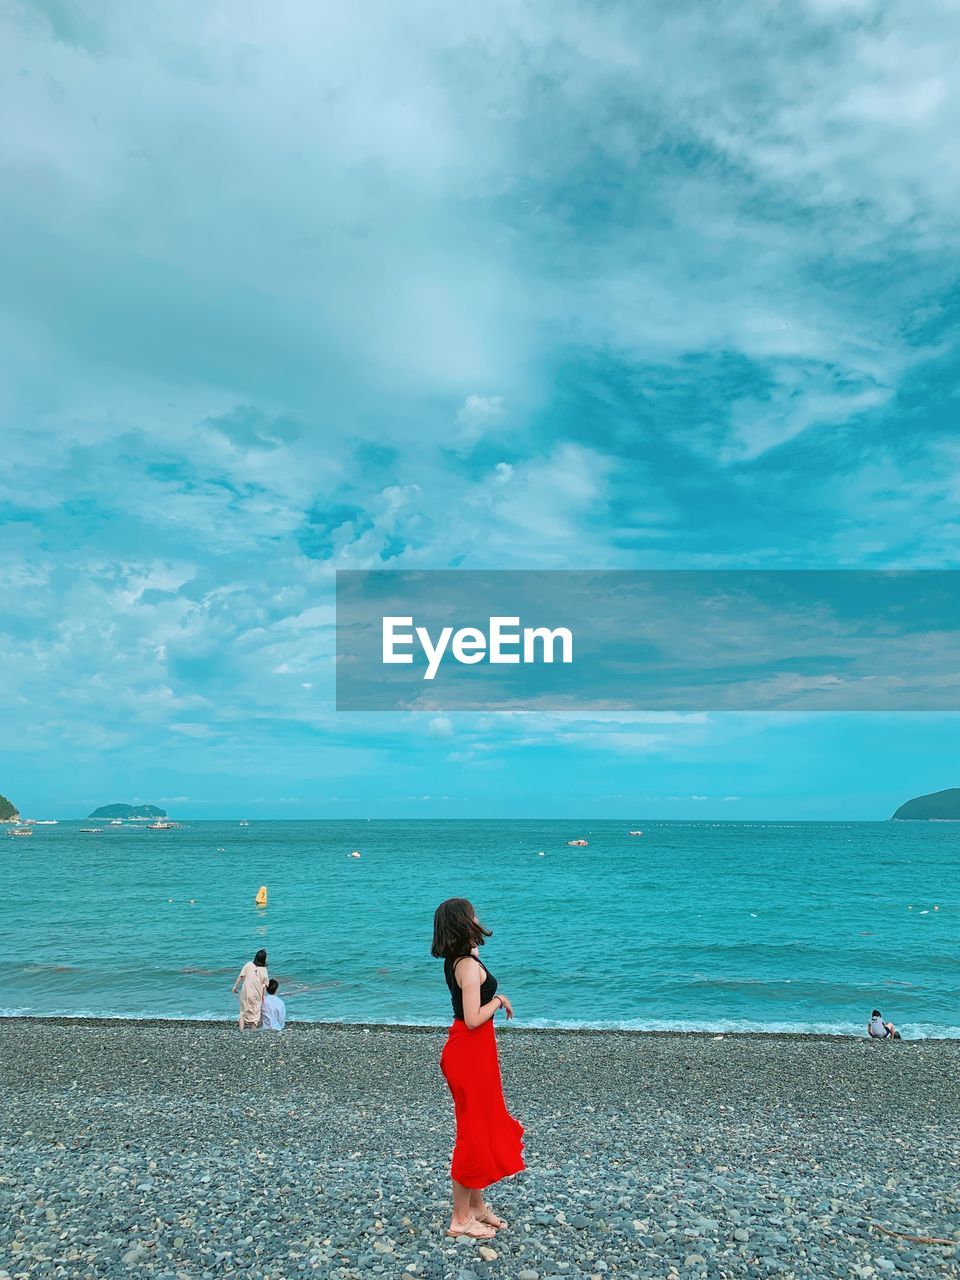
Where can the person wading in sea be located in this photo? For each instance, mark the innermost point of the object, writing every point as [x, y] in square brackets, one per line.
[489, 1141]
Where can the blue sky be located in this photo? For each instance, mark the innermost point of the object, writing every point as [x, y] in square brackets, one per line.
[514, 285]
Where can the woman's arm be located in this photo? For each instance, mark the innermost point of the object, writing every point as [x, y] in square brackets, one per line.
[240, 978]
[475, 1014]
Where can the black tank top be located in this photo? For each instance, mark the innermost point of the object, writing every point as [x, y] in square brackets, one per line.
[488, 987]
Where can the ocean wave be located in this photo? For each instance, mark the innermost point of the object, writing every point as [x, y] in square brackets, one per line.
[687, 1026]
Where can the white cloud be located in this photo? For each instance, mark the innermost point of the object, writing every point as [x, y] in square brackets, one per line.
[233, 274]
[477, 416]
[386, 267]
[540, 507]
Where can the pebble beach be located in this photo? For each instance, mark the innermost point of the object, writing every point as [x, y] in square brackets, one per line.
[182, 1150]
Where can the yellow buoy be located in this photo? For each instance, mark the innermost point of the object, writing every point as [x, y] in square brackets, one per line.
[262, 896]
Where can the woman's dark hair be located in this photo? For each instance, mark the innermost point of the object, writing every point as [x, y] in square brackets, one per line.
[875, 1014]
[455, 931]
[260, 958]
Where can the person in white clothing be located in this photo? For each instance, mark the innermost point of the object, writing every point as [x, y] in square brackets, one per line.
[877, 1029]
[273, 1013]
[252, 982]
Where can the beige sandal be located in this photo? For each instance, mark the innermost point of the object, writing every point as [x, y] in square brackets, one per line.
[491, 1218]
[474, 1228]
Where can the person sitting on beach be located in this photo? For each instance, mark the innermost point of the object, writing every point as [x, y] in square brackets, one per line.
[273, 1012]
[877, 1029]
[253, 978]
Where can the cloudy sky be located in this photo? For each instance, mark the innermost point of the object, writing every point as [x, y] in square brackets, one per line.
[603, 285]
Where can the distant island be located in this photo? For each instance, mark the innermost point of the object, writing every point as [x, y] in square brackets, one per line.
[8, 811]
[939, 806]
[128, 811]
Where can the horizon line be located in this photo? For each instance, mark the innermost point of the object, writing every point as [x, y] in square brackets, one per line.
[725, 821]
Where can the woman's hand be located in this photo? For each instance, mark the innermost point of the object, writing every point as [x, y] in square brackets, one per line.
[505, 1005]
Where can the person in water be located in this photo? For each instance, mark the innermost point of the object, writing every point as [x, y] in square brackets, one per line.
[253, 979]
[881, 1030]
[273, 1013]
[489, 1141]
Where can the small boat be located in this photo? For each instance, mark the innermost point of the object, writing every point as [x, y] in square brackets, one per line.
[244, 822]
[635, 833]
[160, 826]
[43, 822]
[22, 831]
[579, 843]
[90, 831]
[116, 822]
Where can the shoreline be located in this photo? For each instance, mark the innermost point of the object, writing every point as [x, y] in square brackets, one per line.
[432, 1028]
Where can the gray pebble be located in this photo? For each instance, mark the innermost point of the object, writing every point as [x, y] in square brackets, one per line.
[281, 1166]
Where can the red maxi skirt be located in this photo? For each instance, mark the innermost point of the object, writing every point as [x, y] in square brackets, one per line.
[489, 1143]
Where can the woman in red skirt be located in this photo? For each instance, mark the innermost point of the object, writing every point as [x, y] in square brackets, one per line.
[489, 1143]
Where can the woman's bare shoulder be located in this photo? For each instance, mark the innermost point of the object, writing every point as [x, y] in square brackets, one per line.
[467, 969]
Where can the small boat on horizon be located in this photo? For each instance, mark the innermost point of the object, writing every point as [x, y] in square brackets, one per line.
[244, 822]
[161, 826]
[22, 831]
[579, 843]
[90, 831]
[635, 833]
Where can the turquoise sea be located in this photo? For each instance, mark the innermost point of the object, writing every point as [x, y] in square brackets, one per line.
[720, 926]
